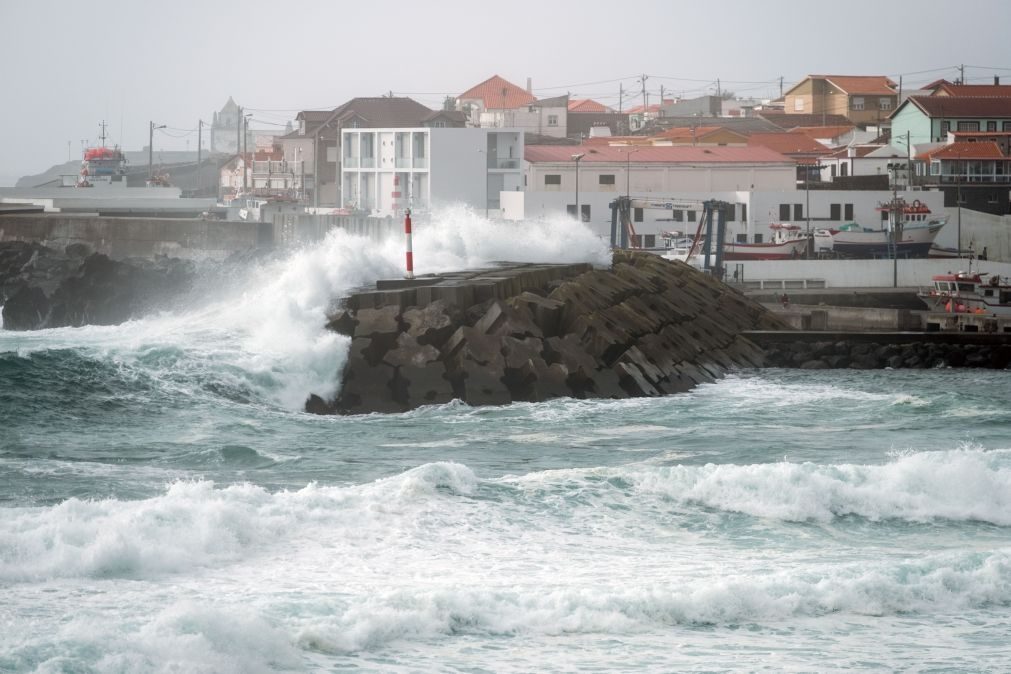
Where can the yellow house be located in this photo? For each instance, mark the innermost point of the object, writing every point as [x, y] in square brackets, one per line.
[863, 99]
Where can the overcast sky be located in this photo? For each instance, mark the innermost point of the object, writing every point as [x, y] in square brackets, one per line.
[68, 65]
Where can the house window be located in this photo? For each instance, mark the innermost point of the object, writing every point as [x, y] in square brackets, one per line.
[552, 120]
[885, 103]
[968, 126]
[744, 212]
[858, 103]
[691, 216]
[605, 180]
[848, 211]
[649, 240]
[884, 216]
[678, 216]
[731, 212]
[945, 128]
[1005, 126]
[742, 238]
[553, 179]
[844, 170]
[935, 168]
[784, 211]
[585, 208]
[991, 126]
[637, 214]
[834, 212]
[798, 211]
[798, 104]
[758, 238]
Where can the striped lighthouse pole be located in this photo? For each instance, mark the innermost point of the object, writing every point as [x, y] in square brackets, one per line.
[410, 253]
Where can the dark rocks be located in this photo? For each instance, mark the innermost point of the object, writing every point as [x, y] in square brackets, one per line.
[42, 288]
[863, 355]
[646, 327]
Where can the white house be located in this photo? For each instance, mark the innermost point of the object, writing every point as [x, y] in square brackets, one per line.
[384, 171]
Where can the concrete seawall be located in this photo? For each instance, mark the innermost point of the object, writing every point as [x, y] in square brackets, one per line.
[123, 237]
[510, 333]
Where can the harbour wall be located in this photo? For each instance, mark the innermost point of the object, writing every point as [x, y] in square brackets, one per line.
[184, 238]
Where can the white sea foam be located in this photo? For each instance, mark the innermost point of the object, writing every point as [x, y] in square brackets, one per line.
[268, 334]
[962, 485]
[195, 524]
[940, 583]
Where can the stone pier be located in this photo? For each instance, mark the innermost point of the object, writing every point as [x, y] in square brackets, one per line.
[532, 332]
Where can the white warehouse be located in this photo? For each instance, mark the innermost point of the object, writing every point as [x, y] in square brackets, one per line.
[384, 171]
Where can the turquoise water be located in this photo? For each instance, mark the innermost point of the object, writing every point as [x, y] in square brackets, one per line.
[165, 506]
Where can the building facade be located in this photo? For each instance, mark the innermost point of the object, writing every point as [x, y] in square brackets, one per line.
[861, 99]
[384, 171]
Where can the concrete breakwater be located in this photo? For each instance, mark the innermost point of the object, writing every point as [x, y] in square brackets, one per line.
[509, 333]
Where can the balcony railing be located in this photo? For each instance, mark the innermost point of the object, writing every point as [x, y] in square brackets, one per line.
[368, 162]
[420, 162]
[350, 162]
[969, 179]
[403, 162]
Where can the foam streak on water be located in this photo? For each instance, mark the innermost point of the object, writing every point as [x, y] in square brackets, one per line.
[165, 506]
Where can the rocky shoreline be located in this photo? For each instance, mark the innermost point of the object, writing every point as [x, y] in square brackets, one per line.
[44, 288]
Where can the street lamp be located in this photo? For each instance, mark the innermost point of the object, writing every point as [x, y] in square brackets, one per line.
[486, 194]
[576, 158]
[150, 147]
[245, 159]
[628, 171]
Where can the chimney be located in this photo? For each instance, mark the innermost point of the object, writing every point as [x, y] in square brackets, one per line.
[530, 86]
[996, 80]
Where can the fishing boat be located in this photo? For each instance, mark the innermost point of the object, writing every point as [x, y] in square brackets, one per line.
[915, 234]
[102, 166]
[970, 292]
[788, 243]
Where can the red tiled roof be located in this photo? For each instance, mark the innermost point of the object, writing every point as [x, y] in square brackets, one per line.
[587, 105]
[871, 85]
[653, 154]
[966, 151]
[822, 131]
[963, 106]
[498, 94]
[861, 151]
[788, 143]
[688, 132]
[974, 90]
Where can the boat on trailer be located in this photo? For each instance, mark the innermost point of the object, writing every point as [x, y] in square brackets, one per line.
[916, 232]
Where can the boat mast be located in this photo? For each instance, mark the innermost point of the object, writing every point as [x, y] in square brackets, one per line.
[102, 136]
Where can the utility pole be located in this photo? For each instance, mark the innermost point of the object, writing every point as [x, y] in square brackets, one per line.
[718, 92]
[238, 133]
[150, 147]
[645, 104]
[961, 74]
[780, 86]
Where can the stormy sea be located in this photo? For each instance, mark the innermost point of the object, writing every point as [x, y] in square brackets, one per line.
[167, 506]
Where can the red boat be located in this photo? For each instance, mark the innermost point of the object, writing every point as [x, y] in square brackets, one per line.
[971, 293]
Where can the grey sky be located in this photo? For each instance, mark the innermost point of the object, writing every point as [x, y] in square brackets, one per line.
[69, 65]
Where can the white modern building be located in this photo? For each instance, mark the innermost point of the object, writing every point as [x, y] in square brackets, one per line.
[384, 171]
